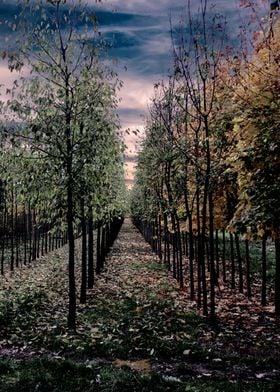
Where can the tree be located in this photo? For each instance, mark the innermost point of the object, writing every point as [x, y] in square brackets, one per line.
[53, 104]
[197, 55]
[255, 158]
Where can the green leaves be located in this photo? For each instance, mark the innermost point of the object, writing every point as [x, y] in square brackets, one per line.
[68, 90]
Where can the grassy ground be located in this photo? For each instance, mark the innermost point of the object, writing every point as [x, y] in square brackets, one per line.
[137, 332]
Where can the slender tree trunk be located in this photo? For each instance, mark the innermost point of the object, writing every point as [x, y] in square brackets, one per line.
[190, 248]
[83, 294]
[248, 269]
[174, 251]
[42, 240]
[70, 209]
[38, 230]
[202, 252]
[212, 259]
[71, 258]
[180, 253]
[232, 262]
[264, 270]
[4, 236]
[102, 247]
[277, 277]
[34, 235]
[198, 246]
[12, 232]
[16, 231]
[240, 267]
[90, 251]
[217, 253]
[224, 256]
[159, 238]
[98, 256]
[191, 258]
[166, 242]
[30, 232]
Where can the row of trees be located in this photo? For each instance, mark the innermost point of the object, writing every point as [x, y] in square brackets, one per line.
[62, 156]
[210, 159]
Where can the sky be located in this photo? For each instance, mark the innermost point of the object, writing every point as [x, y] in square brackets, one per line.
[139, 31]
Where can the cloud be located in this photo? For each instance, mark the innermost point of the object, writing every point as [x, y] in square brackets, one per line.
[8, 78]
[144, 7]
[138, 32]
[131, 158]
[135, 96]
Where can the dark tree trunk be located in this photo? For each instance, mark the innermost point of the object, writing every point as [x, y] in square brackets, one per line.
[232, 262]
[179, 252]
[198, 246]
[34, 235]
[90, 252]
[30, 233]
[217, 254]
[159, 239]
[240, 267]
[16, 231]
[71, 258]
[166, 242]
[212, 259]
[98, 255]
[102, 246]
[83, 294]
[4, 236]
[70, 220]
[277, 277]
[224, 256]
[264, 270]
[202, 252]
[174, 251]
[191, 257]
[12, 233]
[248, 269]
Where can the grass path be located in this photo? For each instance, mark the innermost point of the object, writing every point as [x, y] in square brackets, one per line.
[137, 332]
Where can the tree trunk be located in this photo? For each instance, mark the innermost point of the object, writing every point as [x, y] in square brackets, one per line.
[191, 258]
[217, 253]
[71, 258]
[248, 269]
[264, 271]
[83, 296]
[5, 218]
[277, 277]
[212, 259]
[12, 233]
[90, 252]
[224, 256]
[239, 259]
[232, 262]
[179, 252]
[98, 253]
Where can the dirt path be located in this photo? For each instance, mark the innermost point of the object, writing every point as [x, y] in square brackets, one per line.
[136, 322]
[151, 319]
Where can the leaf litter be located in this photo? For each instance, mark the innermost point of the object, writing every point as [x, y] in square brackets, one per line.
[136, 316]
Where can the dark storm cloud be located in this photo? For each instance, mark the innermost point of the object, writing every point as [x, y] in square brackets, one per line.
[130, 113]
[8, 10]
[131, 159]
[138, 36]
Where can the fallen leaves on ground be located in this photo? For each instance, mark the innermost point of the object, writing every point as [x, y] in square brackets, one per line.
[135, 316]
